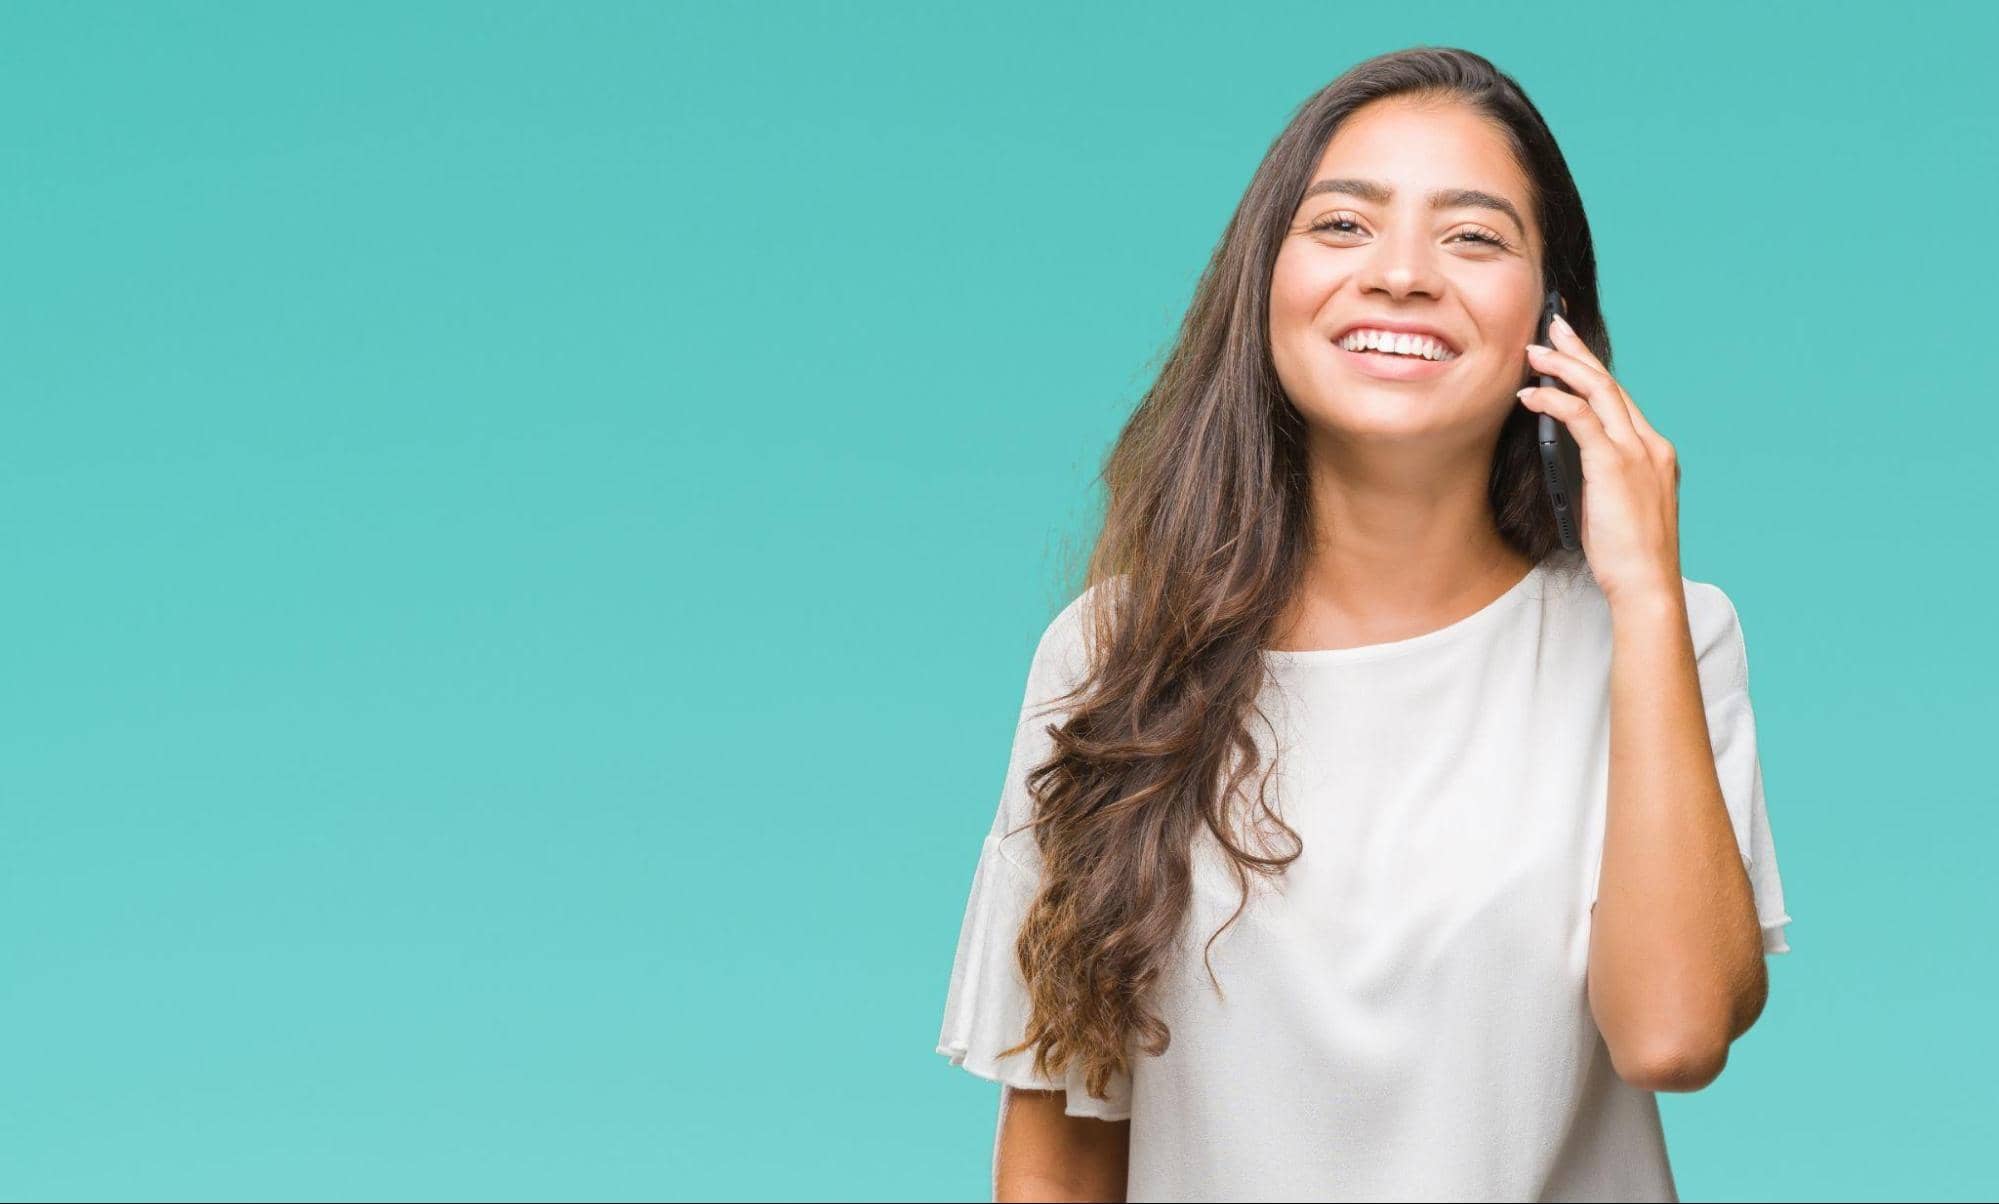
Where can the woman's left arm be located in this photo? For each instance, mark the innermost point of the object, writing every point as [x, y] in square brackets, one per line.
[1676, 967]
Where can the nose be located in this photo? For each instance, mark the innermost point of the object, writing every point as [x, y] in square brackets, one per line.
[1400, 265]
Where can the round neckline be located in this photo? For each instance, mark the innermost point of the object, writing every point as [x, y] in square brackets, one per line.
[1449, 631]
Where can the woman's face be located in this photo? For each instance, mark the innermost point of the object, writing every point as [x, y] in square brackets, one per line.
[1383, 253]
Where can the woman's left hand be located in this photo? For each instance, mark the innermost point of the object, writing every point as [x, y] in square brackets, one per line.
[1631, 474]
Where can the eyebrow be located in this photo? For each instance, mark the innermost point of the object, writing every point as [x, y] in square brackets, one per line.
[1443, 198]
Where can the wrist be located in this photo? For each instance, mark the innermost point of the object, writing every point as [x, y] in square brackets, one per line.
[1649, 605]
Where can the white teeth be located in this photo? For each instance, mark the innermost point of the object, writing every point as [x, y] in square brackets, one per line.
[1396, 344]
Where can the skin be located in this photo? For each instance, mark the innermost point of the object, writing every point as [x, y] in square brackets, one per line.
[1406, 544]
[1043, 1154]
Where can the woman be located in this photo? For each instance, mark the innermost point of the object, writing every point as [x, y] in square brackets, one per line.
[1505, 871]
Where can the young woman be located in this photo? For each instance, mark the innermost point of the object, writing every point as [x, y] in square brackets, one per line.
[1358, 842]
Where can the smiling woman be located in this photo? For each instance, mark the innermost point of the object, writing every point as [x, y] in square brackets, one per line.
[1380, 972]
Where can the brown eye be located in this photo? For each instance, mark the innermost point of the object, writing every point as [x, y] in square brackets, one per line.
[1332, 220]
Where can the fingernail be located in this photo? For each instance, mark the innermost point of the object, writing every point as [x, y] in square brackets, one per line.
[1538, 347]
[1564, 323]
[1522, 393]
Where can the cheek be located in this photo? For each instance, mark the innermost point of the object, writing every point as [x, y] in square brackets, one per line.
[1298, 292]
[1506, 314]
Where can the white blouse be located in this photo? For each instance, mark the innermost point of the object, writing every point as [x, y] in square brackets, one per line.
[1404, 1012]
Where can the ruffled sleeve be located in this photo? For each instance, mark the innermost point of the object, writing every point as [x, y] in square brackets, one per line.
[986, 1008]
[1723, 661]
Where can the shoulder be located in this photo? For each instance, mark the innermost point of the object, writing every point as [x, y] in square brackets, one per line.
[1062, 655]
[1712, 621]
[1711, 612]
[1060, 666]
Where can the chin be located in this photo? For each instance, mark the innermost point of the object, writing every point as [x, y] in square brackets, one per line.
[1371, 425]
[1396, 412]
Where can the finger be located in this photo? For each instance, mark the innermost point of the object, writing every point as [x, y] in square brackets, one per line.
[1575, 413]
[1593, 384]
[1639, 422]
[1661, 448]
[1658, 443]
[1565, 340]
[1586, 427]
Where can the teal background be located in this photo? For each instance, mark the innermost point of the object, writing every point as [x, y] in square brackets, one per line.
[525, 527]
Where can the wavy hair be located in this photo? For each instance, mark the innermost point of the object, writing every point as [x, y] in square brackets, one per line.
[1206, 530]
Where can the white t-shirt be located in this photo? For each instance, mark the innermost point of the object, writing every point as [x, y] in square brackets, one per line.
[1405, 1010]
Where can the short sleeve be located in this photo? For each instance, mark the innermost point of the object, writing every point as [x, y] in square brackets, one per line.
[1723, 659]
[986, 1008]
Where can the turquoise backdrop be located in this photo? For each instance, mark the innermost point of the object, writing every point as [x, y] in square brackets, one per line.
[525, 526]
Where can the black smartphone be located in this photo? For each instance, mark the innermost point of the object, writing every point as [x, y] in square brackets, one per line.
[1561, 459]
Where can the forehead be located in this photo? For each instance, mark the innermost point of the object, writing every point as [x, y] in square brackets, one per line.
[1415, 147]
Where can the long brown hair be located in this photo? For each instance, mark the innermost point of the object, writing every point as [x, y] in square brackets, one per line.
[1205, 536]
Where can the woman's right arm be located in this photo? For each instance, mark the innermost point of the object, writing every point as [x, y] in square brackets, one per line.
[1042, 1153]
